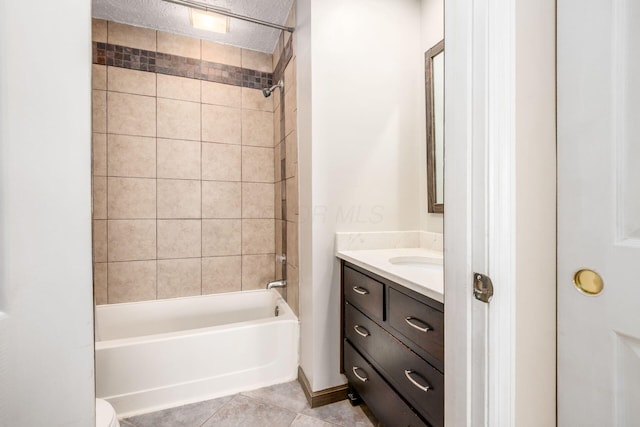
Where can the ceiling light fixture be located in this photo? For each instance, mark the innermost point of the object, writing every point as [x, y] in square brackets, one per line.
[209, 21]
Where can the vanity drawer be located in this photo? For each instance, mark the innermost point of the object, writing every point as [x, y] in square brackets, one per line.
[386, 405]
[418, 322]
[362, 332]
[363, 292]
[394, 358]
[411, 375]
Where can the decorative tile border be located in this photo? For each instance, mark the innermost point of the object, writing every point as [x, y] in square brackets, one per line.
[174, 65]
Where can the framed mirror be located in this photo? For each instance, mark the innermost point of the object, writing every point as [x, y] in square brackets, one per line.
[434, 88]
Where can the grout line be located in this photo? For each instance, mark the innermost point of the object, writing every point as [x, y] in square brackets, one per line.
[201, 190]
[231, 398]
[156, 179]
[106, 155]
[242, 259]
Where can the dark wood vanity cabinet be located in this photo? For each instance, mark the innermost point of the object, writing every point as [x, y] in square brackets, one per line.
[393, 349]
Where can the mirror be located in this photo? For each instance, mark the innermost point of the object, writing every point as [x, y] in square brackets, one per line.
[434, 87]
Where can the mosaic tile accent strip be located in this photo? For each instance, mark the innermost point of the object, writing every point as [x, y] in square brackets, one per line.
[174, 65]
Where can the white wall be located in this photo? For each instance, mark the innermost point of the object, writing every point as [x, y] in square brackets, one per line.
[432, 31]
[46, 307]
[536, 213]
[360, 90]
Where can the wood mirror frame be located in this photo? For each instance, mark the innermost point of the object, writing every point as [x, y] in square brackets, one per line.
[432, 204]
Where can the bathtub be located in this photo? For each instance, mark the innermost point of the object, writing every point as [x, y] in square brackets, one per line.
[154, 355]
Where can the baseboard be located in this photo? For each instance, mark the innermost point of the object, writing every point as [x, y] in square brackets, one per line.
[322, 397]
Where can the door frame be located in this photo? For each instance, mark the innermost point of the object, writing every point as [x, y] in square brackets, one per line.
[500, 216]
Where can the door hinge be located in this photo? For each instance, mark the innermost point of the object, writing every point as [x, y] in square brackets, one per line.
[482, 287]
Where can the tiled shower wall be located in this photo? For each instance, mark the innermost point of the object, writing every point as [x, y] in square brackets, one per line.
[183, 164]
[286, 161]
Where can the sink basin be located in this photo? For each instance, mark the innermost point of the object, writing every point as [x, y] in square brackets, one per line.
[416, 261]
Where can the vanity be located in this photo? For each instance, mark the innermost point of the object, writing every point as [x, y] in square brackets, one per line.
[393, 333]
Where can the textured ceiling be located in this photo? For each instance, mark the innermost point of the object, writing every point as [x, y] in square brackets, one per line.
[163, 16]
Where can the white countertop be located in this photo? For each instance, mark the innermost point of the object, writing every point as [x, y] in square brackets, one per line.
[426, 279]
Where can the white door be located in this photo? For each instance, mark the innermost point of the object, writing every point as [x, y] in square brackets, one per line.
[599, 211]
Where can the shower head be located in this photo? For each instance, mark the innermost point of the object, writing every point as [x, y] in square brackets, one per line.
[267, 91]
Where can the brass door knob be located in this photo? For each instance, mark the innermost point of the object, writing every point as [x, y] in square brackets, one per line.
[588, 282]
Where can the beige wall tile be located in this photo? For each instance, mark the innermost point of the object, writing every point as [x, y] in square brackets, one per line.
[99, 240]
[292, 243]
[178, 45]
[278, 200]
[98, 30]
[293, 289]
[254, 99]
[131, 114]
[130, 36]
[257, 164]
[99, 197]
[99, 110]
[276, 99]
[258, 236]
[257, 271]
[221, 199]
[277, 166]
[221, 162]
[290, 119]
[131, 198]
[257, 128]
[277, 126]
[221, 94]
[178, 198]
[221, 237]
[131, 281]
[258, 200]
[131, 240]
[178, 159]
[279, 275]
[221, 53]
[292, 199]
[277, 51]
[278, 236]
[179, 238]
[179, 277]
[178, 88]
[290, 75]
[131, 156]
[255, 60]
[100, 283]
[221, 124]
[221, 274]
[131, 81]
[291, 147]
[178, 119]
[99, 154]
[99, 77]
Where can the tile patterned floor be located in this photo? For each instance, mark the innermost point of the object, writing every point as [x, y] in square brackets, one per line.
[282, 405]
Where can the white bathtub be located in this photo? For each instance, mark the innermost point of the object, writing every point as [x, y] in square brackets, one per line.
[158, 354]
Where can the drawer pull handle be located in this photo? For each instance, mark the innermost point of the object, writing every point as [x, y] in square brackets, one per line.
[355, 372]
[358, 328]
[410, 320]
[360, 291]
[408, 373]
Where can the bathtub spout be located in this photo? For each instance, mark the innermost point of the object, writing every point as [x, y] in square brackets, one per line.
[277, 284]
